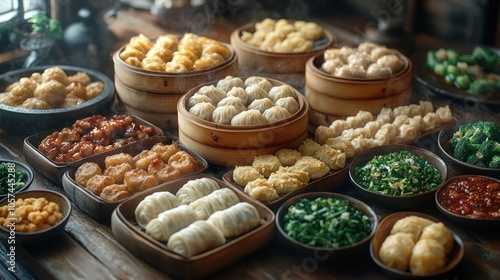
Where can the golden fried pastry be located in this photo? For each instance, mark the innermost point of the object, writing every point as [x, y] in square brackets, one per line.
[165, 151]
[118, 171]
[55, 74]
[335, 159]
[162, 171]
[309, 147]
[315, 167]
[283, 183]
[143, 159]
[87, 171]
[288, 157]
[52, 92]
[242, 175]
[295, 172]
[35, 103]
[261, 189]
[341, 144]
[183, 161]
[80, 78]
[266, 164]
[139, 179]
[118, 159]
[115, 192]
[98, 182]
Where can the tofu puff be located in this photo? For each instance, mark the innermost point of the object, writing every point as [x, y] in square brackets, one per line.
[266, 164]
[261, 189]
[288, 157]
[314, 167]
[242, 175]
[288, 179]
[333, 158]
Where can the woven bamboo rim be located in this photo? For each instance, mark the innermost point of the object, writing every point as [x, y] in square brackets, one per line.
[349, 107]
[327, 84]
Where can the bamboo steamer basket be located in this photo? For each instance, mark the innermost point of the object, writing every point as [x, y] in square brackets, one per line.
[288, 67]
[320, 81]
[325, 104]
[171, 83]
[153, 95]
[159, 109]
[230, 146]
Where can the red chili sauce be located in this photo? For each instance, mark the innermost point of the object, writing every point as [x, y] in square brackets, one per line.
[475, 197]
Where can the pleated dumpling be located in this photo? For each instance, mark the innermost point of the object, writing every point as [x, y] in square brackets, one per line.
[218, 200]
[230, 82]
[199, 98]
[197, 238]
[214, 93]
[255, 92]
[236, 220]
[240, 93]
[261, 82]
[203, 110]
[154, 204]
[427, 256]
[276, 113]
[224, 114]
[261, 104]
[249, 117]
[288, 103]
[170, 221]
[233, 100]
[195, 189]
[281, 91]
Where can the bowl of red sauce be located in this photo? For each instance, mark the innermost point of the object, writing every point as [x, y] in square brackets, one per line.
[470, 199]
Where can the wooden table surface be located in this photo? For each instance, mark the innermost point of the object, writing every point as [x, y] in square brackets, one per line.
[87, 249]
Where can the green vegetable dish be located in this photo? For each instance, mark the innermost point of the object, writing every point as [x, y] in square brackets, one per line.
[398, 173]
[478, 143]
[12, 178]
[327, 222]
[477, 72]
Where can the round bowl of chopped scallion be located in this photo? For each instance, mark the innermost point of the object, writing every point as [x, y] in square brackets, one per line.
[400, 177]
[15, 176]
[335, 225]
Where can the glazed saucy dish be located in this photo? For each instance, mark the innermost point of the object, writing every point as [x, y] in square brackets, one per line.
[474, 197]
[93, 135]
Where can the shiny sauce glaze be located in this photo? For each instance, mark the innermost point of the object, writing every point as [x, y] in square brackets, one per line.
[93, 135]
[473, 196]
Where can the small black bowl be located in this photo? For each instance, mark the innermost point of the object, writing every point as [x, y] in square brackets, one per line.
[407, 202]
[44, 234]
[464, 219]
[340, 254]
[15, 166]
[444, 142]
[29, 121]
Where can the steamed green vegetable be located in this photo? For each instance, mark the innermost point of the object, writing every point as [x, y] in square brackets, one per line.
[477, 72]
[11, 178]
[327, 222]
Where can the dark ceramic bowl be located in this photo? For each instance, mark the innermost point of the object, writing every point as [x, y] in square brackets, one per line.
[29, 121]
[444, 142]
[340, 254]
[41, 235]
[407, 202]
[466, 219]
[13, 167]
[453, 258]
